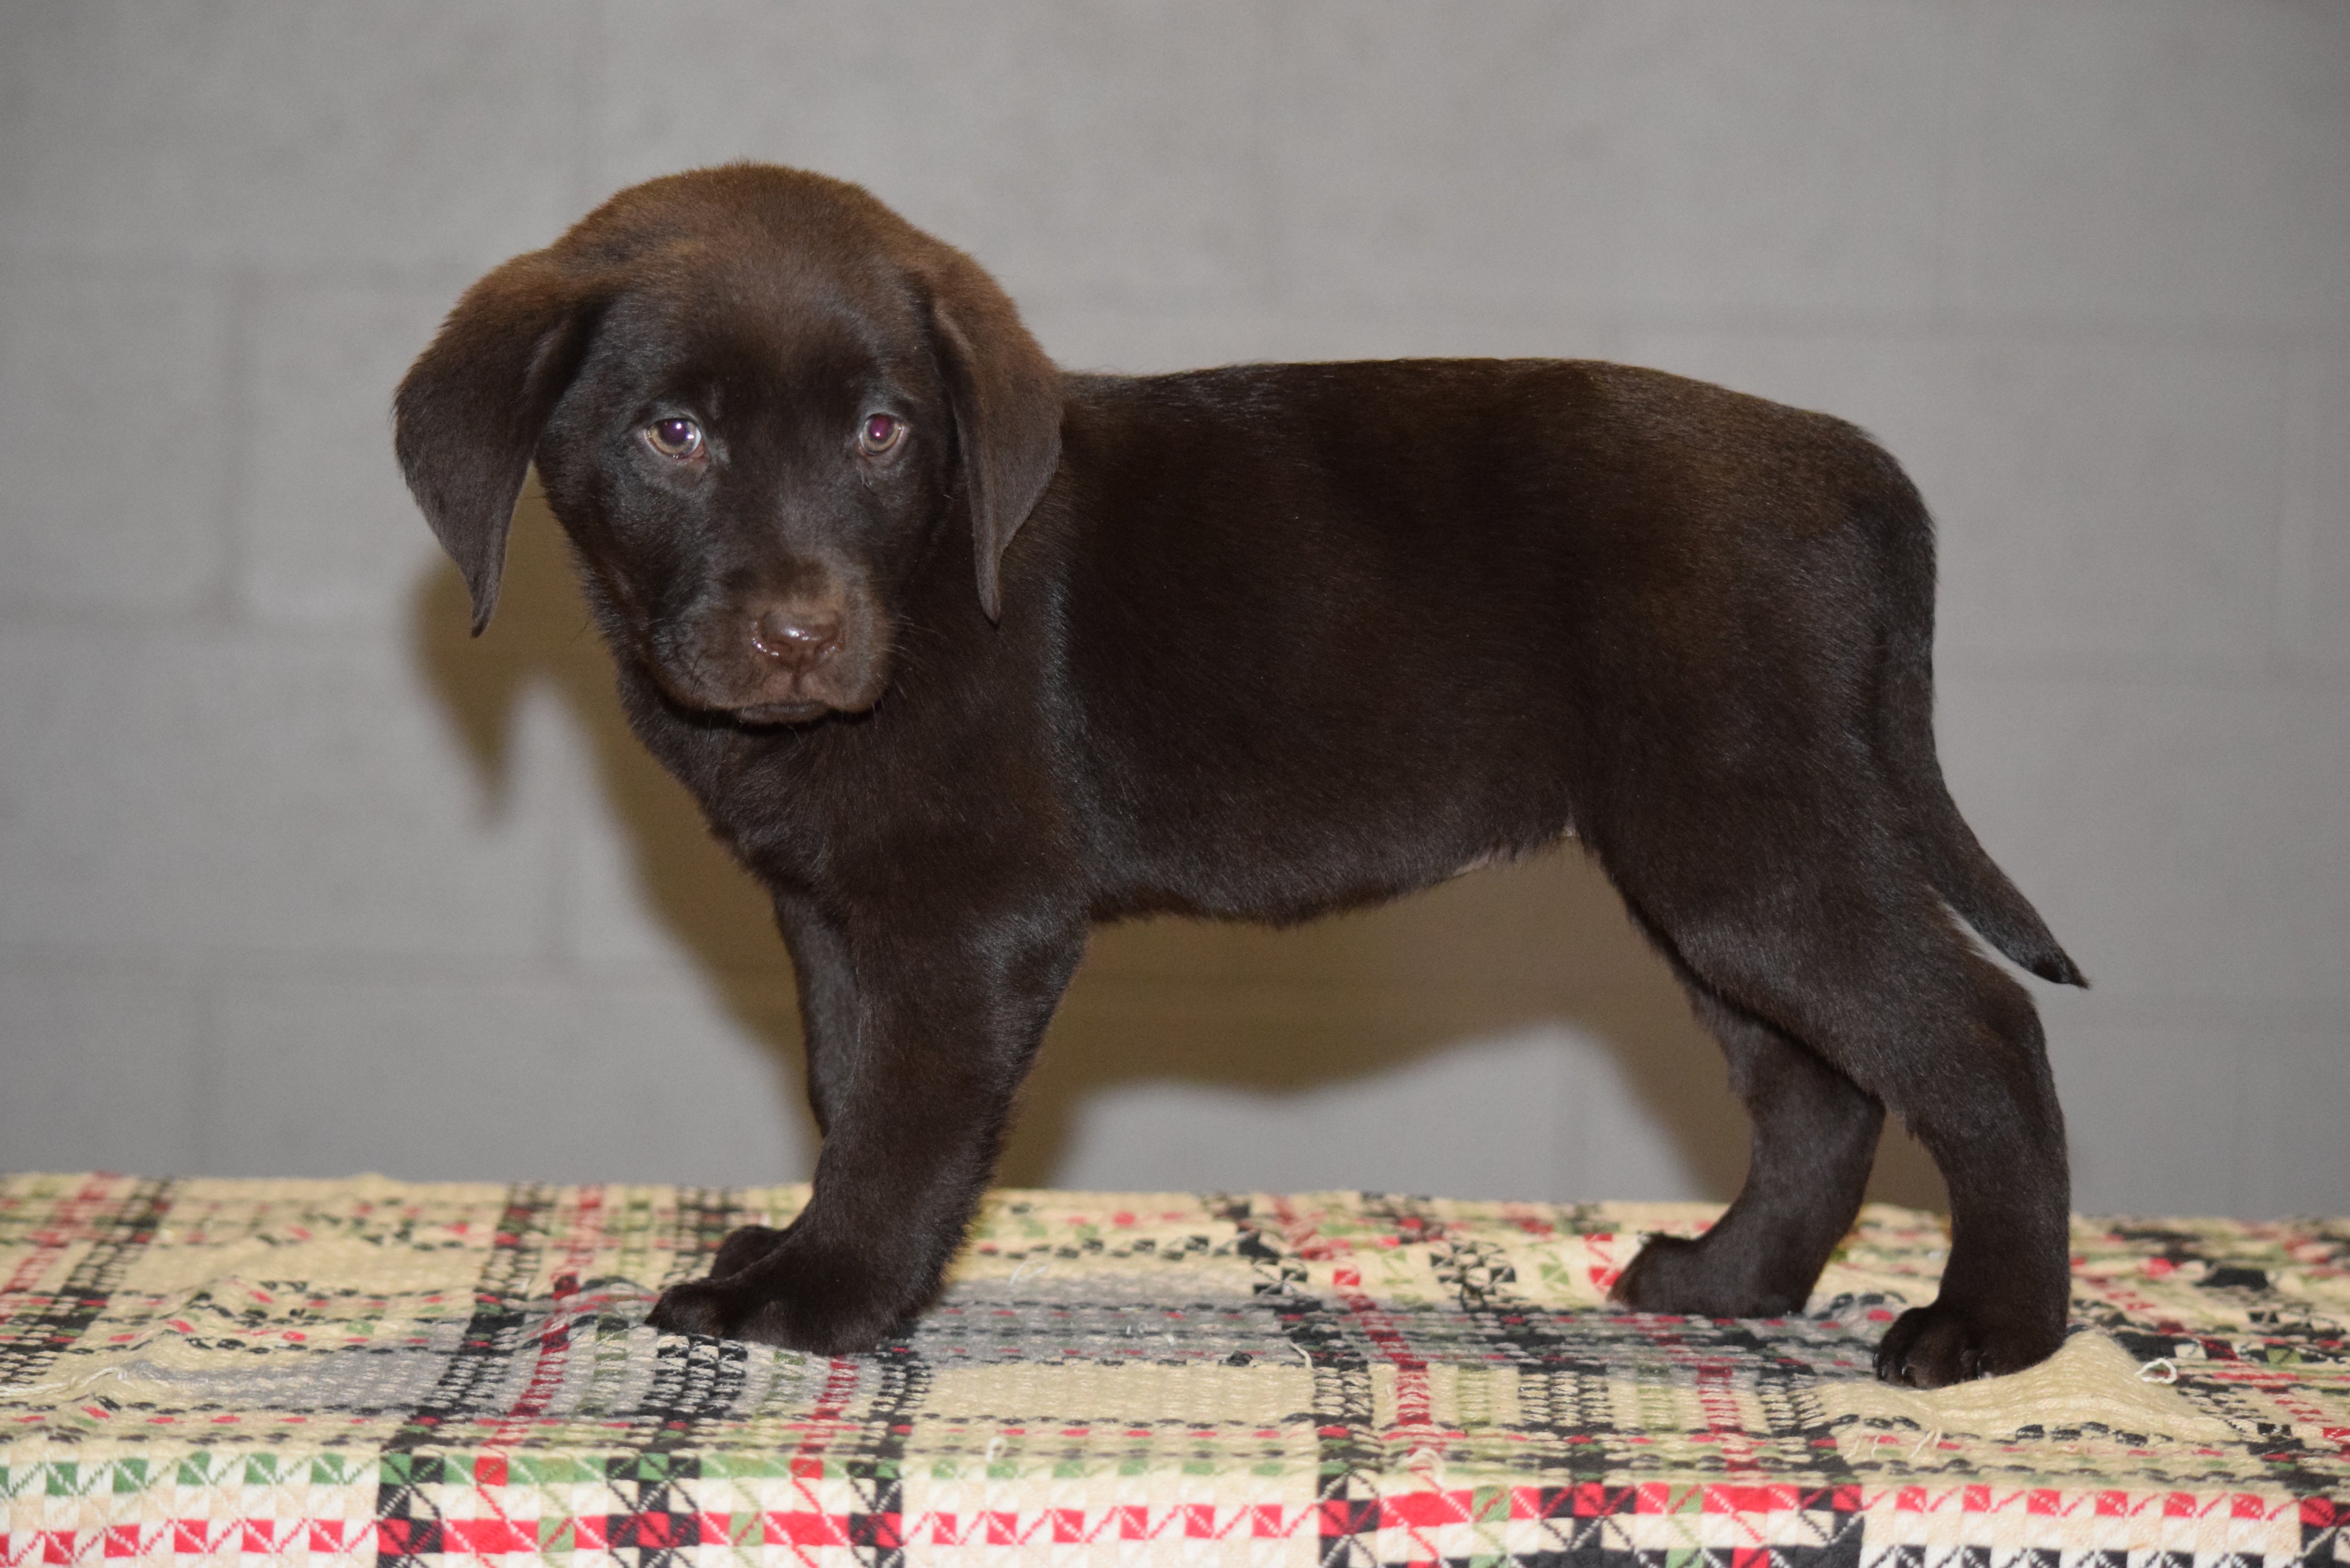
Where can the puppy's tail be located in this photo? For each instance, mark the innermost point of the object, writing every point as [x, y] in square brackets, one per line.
[1978, 890]
[1961, 869]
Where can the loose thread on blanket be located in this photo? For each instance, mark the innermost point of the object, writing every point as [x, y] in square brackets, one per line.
[67, 1387]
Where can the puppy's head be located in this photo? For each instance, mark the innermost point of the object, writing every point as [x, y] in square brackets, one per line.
[753, 396]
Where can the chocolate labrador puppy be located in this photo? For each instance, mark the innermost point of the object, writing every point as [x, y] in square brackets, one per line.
[963, 654]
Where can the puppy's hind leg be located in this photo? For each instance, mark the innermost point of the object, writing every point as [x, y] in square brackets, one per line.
[1814, 1138]
[1987, 1112]
[1856, 957]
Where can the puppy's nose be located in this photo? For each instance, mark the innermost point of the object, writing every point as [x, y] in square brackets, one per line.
[798, 640]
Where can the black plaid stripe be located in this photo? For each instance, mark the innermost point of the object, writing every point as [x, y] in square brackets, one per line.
[658, 1518]
[408, 1520]
[698, 1382]
[879, 1473]
[501, 1313]
[2325, 1531]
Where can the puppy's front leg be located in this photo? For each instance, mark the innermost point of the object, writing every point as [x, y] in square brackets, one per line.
[917, 1044]
[828, 1031]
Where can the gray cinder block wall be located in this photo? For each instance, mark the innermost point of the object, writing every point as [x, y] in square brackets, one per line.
[296, 878]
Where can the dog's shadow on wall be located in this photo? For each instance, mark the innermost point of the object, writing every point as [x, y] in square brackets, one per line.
[1339, 1001]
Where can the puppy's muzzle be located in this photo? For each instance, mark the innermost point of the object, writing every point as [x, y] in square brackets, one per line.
[790, 660]
[779, 655]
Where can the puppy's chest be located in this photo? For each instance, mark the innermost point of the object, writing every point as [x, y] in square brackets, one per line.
[828, 807]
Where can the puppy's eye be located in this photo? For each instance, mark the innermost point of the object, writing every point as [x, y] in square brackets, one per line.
[878, 433]
[678, 438]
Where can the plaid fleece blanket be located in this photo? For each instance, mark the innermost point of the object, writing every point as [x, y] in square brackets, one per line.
[371, 1371]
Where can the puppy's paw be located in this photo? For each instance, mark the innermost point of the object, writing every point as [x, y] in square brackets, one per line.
[771, 1302]
[744, 1246]
[699, 1306]
[1683, 1276]
[1936, 1346]
[1657, 1278]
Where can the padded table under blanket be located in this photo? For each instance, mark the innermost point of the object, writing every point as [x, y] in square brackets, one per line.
[375, 1371]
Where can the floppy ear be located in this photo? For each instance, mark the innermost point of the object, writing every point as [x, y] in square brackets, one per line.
[468, 414]
[1006, 395]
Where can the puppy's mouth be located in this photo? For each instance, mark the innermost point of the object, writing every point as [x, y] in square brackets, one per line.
[765, 713]
[767, 703]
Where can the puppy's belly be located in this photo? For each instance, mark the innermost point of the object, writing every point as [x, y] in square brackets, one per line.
[1479, 863]
[1498, 856]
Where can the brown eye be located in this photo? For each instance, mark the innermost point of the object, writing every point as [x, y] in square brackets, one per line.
[679, 438]
[880, 432]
